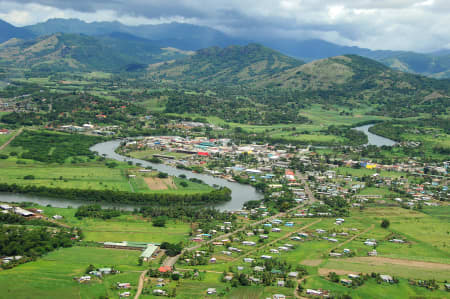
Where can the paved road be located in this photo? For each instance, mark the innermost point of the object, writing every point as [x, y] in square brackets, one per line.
[11, 139]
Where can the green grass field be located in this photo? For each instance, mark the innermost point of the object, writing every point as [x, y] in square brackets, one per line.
[123, 228]
[51, 276]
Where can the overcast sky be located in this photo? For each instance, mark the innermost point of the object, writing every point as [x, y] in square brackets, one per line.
[418, 25]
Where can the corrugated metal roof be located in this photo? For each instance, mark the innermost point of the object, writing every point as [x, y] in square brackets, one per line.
[148, 252]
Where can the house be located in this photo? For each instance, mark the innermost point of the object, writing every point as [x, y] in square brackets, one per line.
[279, 296]
[84, 279]
[159, 292]
[347, 282]
[372, 253]
[266, 257]
[386, 278]
[274, 251]
[105, 271]
[213, 260]
[125, 294]
[123, 285]
[397, 241]
[258, 269]
[276, 230]
[314, 292]
[263, 237]
[353, 276]
[149, 252]
[293, 274]
[248, 260]
[240, 268]
[289, 224]
[165, 269]
[295, 238]
[228, 278]
[335, 254]
[370, 243]
[248, 243]
[57, 217]
[280, 283]
[211, 291]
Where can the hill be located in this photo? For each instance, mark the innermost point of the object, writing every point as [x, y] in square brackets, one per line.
[8, 31]
[230, 65]
[64, 52]
[273, 78]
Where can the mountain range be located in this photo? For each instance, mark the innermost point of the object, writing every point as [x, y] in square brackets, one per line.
[193, 37]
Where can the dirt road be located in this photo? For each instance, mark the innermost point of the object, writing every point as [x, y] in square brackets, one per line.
[11, 139]
[141, 284]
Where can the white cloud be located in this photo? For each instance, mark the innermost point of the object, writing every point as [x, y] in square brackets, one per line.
[419, 25]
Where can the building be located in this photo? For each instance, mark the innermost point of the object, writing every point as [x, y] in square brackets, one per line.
[149, 252]
[211, 291]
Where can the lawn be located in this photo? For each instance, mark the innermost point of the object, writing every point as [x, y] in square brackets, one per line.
[51, 276]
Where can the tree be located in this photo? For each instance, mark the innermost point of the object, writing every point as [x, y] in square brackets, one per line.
[163, 175]
[140, 261]
[385, 223]
[159, 221]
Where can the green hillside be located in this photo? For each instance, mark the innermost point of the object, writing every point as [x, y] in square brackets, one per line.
[67, 52]
[231, 65]
[273, 79]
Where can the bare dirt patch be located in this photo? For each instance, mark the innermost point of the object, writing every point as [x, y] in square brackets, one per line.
[380, 261]
[160, 184]
[311, 262]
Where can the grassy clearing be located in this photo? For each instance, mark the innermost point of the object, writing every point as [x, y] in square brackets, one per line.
[373, 290]
[5, 137]
[51, 276]
[123, 228]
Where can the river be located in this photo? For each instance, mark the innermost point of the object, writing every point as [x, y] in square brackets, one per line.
[239, 193]
[375, 139]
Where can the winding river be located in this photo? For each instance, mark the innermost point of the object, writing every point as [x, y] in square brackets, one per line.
[239, 195]
[375, 139]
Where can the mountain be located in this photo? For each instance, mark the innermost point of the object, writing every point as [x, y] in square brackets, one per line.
[8, 31]
[435, 64]
[348, 80]
[193, 37]
[230, 65]
[75, 52]
[182, 36]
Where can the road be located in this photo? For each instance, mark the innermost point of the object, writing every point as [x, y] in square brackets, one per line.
[307, 190]
[11, 139]
[141, 284]
[279, 239]
[172, 260]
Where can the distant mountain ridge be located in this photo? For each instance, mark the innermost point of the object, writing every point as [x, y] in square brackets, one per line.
[193, 37]
[77, 52]
[8, 31]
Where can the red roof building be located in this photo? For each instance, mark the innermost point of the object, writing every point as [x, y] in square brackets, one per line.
[164, 269]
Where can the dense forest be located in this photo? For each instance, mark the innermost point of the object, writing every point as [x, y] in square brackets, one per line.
[215, 196]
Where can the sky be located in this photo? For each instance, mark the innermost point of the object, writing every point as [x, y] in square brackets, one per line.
[414, 25]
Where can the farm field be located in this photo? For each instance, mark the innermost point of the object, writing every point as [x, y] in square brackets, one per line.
[90, 175]
[52, 275]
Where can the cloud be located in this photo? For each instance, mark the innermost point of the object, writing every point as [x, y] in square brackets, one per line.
[420, 25]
